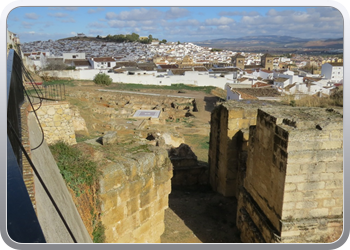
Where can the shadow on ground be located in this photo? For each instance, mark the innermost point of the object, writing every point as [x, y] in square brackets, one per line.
[200, 215]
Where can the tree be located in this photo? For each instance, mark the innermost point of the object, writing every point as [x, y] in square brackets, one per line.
[102, 79]
[163, 41]
[150, 38]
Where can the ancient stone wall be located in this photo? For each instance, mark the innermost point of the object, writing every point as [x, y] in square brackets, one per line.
[134, 194]
[292, 191]
[229, 135]
[56, 121]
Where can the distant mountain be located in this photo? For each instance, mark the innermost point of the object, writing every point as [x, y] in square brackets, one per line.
[272, 43]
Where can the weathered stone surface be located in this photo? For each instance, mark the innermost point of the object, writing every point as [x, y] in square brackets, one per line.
[293, 173]
[109, 137]
[134, 195]
[57, 125]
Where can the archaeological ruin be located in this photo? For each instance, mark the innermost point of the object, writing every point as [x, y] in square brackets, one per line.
[285, 167]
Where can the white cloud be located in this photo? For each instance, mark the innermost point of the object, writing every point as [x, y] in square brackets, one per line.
[221, 21]
[96, 10]
[58, 14]
[135, 14]
[176, 12]
[239, 13]
[32, 16]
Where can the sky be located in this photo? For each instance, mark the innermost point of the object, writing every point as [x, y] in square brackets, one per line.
[184, 24]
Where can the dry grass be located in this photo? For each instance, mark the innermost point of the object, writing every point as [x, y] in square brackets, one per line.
[335, 99]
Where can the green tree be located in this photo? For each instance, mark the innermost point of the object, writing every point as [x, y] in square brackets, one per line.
[102, 79]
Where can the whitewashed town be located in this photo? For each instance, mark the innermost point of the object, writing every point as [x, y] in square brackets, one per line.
[166, 63]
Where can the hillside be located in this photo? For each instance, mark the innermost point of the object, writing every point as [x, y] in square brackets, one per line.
[273, 43]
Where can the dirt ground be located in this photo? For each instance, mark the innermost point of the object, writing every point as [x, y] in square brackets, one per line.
[199, 215]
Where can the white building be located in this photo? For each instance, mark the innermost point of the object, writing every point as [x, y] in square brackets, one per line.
[73, 55]
[333, 71]
[102, 62]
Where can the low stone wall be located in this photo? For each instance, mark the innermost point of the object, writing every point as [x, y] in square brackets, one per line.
[134, 194]
[56, 121]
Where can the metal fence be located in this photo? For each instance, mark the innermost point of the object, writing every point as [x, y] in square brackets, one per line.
[55, 92]
[22, 223]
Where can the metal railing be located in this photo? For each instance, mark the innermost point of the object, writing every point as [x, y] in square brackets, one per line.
[22, 223]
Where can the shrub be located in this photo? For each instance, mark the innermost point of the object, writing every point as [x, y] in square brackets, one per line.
[102, 79]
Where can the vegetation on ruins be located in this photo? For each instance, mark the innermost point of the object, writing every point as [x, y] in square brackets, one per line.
[76, 168]
[178, 87]
[81, 176]
[335, 99]
[102, 79]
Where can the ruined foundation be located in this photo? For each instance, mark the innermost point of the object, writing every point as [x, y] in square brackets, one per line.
[134, 195]
[288, 172]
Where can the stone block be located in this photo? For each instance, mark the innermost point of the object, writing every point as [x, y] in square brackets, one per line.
[244, 123]
[290, 187]
[288, 205]
[250, 113]
[145, 214]
[237, 113]
[294, 214]
[306, 204]
[302, 157]
[336, 211]
[329, 203]
[319, 212]
[132, 205]
[335, 184]
[331, 145]
[295, 178]
[293, 169]
[114, 215]
[310, 186]
[326, 176]
[293, 196]
[293, 233]
[328, 155]
[335, 166]
[337, 193]
[147, 198]
[143, 229]
[109, 137]
[126, 238]
[336, 134]
[318, 167]
[318, 194]
[232, 125]
[135, 188]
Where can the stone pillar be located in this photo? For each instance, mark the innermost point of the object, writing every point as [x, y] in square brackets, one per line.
[293, 186]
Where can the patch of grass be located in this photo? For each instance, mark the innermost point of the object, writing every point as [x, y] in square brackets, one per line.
[76, 168]
[98, 233]
[178, 87]
[59, 81]
[201, 141]
[139, 149]
[336, 99]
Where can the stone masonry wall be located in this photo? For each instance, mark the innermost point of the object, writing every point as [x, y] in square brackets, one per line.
[229, 136]
[134, 194]
[56, 121]
[292, 191]
[28, 174]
